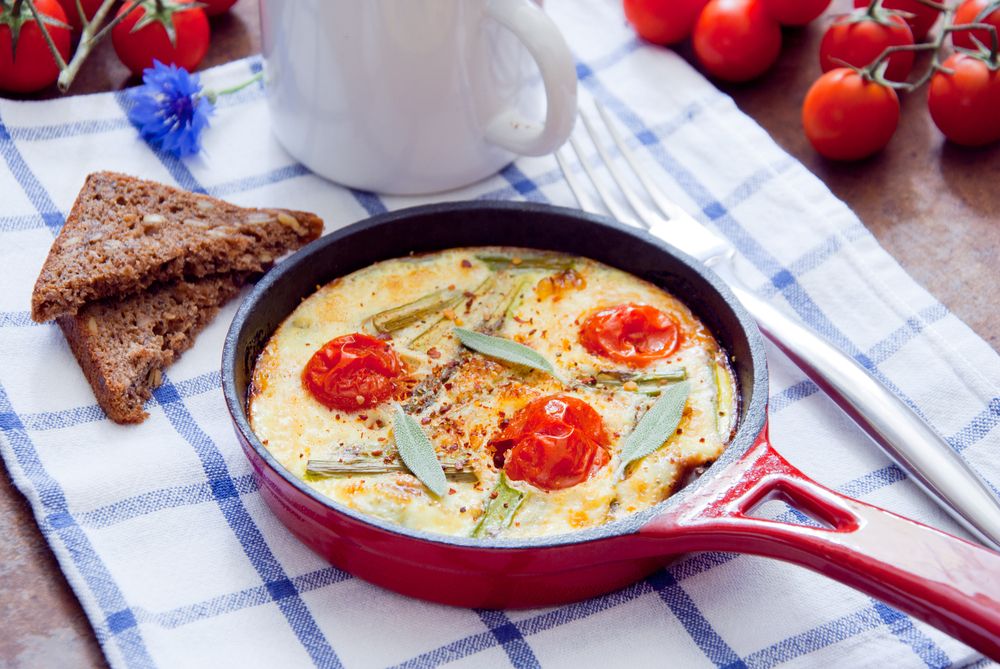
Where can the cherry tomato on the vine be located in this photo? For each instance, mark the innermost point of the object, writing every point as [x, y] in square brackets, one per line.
[216, 7]
[851, 40]
[921, 18]
[848, 117]
[795, 12]
[352, 372]
[663, 21]
[554, 442]
[90, 8]
[33, 66]
[968, 12]
[151, 42]
[964, 100]
[736, 40]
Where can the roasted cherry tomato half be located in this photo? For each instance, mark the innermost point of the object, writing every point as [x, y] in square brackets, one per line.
[968, 12]
[352, 372]
[635, 334]
[554, 442]
[919, 16]
[964, 100]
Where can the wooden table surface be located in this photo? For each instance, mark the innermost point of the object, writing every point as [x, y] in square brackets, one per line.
[933, 206]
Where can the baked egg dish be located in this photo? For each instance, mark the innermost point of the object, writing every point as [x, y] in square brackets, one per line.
[493, 392]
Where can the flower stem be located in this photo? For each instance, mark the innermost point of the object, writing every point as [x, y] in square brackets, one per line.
[45, 32]
[214, 95]
[92, 34]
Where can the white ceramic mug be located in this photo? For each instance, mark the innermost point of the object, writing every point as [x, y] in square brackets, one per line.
[415, 96]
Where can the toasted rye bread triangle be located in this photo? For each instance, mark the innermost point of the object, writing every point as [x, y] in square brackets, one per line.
[125, 234]
[124, 344]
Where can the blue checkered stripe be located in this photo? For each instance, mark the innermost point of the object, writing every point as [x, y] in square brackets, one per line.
[317, 614]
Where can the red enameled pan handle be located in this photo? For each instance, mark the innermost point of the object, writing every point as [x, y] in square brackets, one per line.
[943, 580]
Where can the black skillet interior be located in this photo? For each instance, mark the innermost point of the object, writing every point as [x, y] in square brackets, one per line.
[449, 225]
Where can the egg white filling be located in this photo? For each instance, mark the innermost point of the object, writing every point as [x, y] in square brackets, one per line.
[463, 395]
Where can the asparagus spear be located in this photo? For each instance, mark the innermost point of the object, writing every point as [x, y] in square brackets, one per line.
[404, 315]
[329, 468]
[515, 262]
[503, 503]
[431, 334]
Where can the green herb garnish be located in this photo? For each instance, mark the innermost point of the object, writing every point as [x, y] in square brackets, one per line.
[417, 452]
[500, 509]
[656, 426]
[534, 261]
[404, 315]
[504, 349]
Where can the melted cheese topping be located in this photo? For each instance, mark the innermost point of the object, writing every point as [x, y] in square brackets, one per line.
[460, 397]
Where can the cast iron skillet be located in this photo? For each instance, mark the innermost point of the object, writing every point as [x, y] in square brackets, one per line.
[943, 580]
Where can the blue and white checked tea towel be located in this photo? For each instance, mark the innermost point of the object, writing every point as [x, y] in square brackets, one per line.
[163, 536]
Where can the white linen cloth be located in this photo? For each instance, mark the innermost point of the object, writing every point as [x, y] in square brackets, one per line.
[177, 562]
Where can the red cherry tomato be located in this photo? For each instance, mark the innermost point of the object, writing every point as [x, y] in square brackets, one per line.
[859, 43]
[922, 18]
[138, 49]
[965, 105]
[90, 8]
[663, 21]
[216, 7]
[968, 12]
[847, 117]
[352, 372]
[795, 12]
[553, 443]
[635, 334]
[736, 40]
[33, 67]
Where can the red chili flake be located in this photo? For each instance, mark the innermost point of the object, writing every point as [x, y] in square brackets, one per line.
[451, 286]
[375, 454]
[433, 353]
[425, 420]
[702, 440]
[462, 509]
[493, 495]
[451, 491]
[447, 386]
[466, 264]
[362, 416]
[520, 320]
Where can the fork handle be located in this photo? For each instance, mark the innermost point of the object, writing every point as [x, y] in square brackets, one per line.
[896, 428]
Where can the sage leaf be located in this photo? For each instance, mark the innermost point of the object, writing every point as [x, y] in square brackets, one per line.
[504, 349]
[655, 426]
[417, 452]
[500, 509]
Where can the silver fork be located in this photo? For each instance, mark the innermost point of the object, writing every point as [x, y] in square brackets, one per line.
[900, 432]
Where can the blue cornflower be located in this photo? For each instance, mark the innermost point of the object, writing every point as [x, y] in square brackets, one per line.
[170, 109]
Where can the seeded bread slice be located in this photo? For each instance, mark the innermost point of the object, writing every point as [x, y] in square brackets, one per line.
[124, 234]
[124, 344]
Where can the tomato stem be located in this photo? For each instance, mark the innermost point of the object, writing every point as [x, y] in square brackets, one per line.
[92, 34]
[45, 32]
[940, 6]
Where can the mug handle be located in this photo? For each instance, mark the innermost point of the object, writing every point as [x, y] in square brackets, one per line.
[943, 580]
[539, 34]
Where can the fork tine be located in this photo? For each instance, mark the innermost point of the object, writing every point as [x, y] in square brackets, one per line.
[646, 214]
[612, 205]
[665, 204]
[582, 196]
